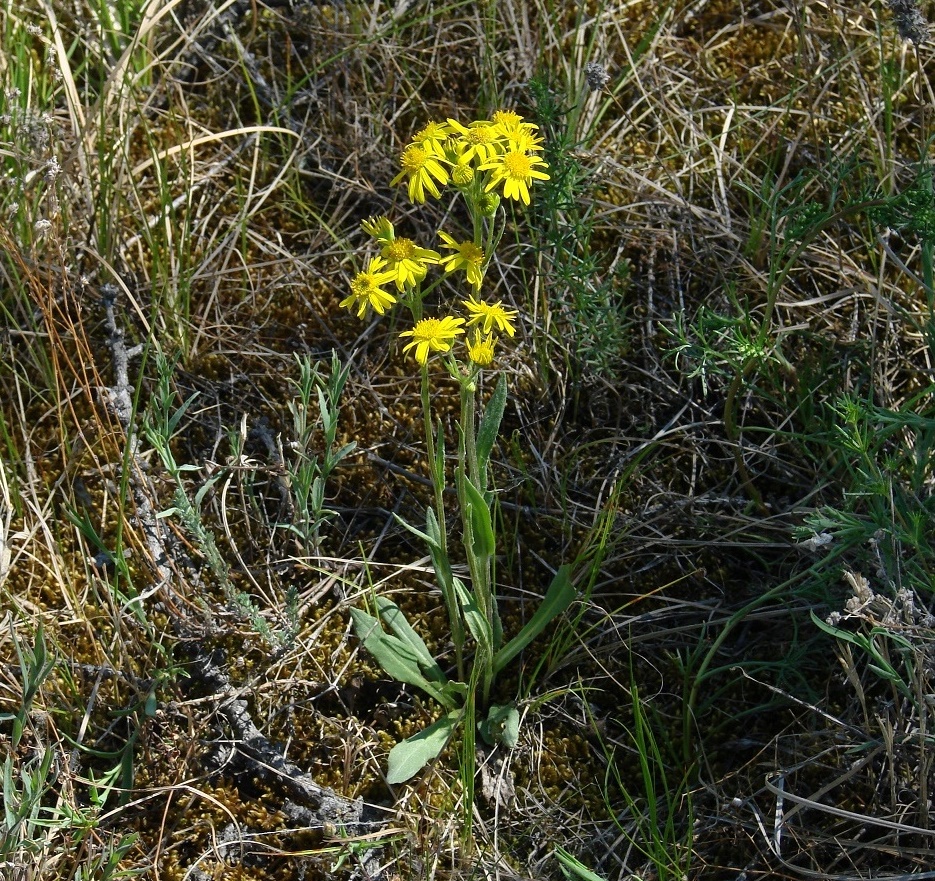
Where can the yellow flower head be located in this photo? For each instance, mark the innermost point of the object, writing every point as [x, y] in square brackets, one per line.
[432, 335]
[523, 141]
[367, 289]
[433, 135]
[515, 169]
[380, 228]
[466, 256]
[480, 350]
[410, 262]
[479, 139]
[491, 317]
[511, 123]
[422, 164]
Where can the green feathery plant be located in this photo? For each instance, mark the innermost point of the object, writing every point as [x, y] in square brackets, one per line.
[883, 454]
[161, 423]
[309, 473]
[476, 160]
[40, 822]
[586, 285]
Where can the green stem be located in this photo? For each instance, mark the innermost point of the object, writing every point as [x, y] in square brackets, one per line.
[479, 565]
[438, 484]
[468, 395]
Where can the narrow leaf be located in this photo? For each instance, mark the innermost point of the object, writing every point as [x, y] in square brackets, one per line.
[559, 596]
[573, 868]
[440, 561]
[490, 423]
[411, 755]
[482, 528]
[342, 452]
[417, 532]
[473, 617]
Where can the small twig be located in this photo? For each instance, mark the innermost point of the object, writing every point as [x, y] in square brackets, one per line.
[266, 759]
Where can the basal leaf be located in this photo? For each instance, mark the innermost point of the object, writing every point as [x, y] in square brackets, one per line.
[411, 755]
[397, 658]
[501, 725]
[396, 621]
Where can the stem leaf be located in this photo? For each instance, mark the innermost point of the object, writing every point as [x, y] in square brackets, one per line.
[427, 538]
[490, 422]
[484, 544]
[474, 618]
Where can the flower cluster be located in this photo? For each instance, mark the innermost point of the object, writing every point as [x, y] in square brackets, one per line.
[481, 160]
[502, 150]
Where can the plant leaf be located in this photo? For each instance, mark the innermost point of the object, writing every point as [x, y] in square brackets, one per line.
[338, 455]
[396, 621]
[473, 617]
[440, 561]
[397, 658]
[558, 597]
[417, 532]
[484, 543]
[411, 755]
[501, 725]
[573, 868]
[490, 422]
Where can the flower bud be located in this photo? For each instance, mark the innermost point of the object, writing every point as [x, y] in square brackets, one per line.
[488, 203]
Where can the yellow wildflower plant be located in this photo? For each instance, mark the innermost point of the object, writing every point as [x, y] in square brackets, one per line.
[480, 349]
[524, 141]
[481, 160]
[511, 122]
[516, 170]
[422, 164]
[367, 289]
[408, 261]
[432, 335]
[489, 317]
[466, 256]
[518, 135]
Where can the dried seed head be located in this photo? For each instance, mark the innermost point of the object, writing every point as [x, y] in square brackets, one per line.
[597, 76]
[910, 22]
